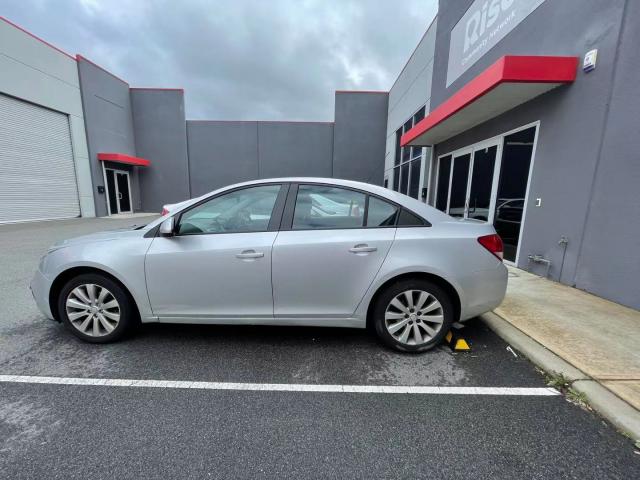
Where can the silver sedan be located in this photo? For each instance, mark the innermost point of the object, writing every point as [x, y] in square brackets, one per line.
[289, 251]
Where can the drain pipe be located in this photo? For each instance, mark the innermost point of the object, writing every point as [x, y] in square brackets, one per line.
[563, 242]
[536, 258]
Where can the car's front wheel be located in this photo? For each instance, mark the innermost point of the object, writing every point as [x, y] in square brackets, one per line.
[95, 308]
[413, 315]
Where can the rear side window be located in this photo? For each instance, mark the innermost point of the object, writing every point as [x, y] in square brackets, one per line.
[322, 207]
[381, 213]
[408, 219]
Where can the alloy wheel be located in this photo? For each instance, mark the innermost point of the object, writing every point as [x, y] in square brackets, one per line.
[414, 317]
[93, 310]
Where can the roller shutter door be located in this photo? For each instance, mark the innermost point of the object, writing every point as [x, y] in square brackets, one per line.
[37, 174]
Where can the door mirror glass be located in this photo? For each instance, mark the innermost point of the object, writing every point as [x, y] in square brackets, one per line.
[167, 227]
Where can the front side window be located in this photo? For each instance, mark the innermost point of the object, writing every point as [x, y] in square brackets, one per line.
[246, 210]
[319, 206]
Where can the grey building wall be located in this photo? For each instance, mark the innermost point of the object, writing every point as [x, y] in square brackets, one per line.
[359, 136]
[109, 126]
[33, 70]
[609, 261]
[161, 137]
[295, 149]
[227, 152]
[569, 140]
[221, 153]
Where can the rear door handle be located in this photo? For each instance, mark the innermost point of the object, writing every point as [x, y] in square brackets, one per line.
[249, 254]
[362, 248]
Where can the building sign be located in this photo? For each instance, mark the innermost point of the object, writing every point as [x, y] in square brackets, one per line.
[485, 23]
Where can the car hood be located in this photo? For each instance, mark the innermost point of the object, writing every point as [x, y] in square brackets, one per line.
[110, 235]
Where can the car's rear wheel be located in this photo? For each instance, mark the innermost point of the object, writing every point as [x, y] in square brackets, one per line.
[95, 308]
[413, 315]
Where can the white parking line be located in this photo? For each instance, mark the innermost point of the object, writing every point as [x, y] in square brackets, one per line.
[280, 387]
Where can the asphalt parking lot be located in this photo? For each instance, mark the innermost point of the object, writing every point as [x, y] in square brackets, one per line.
[100, 431]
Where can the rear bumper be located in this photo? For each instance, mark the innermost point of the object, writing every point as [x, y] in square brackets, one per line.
[482, 291]
[40, 286]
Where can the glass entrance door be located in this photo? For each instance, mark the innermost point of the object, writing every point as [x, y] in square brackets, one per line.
[124, 193]
[488, 181]
[512, 188]
[118, 191]
[442, 183]
[465, 182]
[481, 185]
[459, 184]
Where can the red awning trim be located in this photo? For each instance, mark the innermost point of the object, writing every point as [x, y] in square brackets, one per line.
[122, 158]
[508, 69]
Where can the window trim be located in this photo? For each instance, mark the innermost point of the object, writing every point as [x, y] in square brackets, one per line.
[274, 221]
[287, 218]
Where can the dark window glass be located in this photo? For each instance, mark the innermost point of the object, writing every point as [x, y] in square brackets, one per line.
[459, 181]
[386, 183]
[396, 178]
[481, 181]
[406, 151]
[424, 194]
[111, 190]
[319, 206]
[406, 154]
[512, 187]
[380, 213]
[246, 210]
[396, 159]
[122, 179]
[408, 219]
[414, 179]
[444, 170]
[415, 151]
[404, 178]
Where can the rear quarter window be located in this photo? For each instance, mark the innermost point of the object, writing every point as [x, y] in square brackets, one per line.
[408, 219]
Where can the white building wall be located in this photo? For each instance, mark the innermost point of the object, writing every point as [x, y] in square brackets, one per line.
[36, 72]
[411, 91]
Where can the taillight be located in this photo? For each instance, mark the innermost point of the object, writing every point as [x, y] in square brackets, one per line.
[164, 212]
[493, 243]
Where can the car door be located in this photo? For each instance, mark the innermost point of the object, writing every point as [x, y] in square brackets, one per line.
[328, 252]
[218, 263]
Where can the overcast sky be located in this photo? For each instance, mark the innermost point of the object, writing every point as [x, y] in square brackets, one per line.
[238, 59]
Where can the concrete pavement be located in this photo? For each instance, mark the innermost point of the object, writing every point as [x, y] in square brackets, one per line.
[597, 342]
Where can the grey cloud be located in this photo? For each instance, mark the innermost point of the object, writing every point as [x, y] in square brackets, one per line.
[251, 59]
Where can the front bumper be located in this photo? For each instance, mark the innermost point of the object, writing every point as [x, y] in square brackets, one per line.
[40, 286]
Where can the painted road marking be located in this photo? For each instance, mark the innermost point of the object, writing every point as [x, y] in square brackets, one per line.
[280, 387]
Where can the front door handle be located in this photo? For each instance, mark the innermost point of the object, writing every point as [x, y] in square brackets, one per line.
[249, 254]
[362, 248]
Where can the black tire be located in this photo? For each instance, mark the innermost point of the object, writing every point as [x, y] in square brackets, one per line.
[398, 288]
[127, 310]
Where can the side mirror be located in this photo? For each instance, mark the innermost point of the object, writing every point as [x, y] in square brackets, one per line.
[167, 228]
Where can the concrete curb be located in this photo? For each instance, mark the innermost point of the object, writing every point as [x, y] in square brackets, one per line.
[622, 415]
